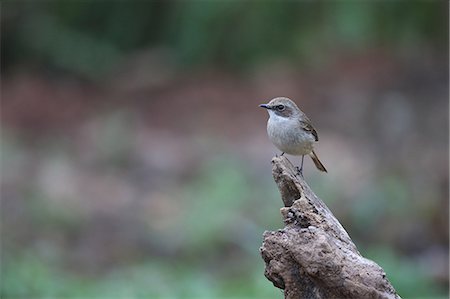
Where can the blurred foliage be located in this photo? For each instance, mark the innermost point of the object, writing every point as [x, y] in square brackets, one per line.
[217, 203]
[407, 275]
[88, 38]
[207, 245]
[29, 277]
[218, 227]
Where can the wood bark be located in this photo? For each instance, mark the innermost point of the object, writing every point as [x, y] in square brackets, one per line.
[313, 256]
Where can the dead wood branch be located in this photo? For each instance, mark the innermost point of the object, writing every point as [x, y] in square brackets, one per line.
[313, 256]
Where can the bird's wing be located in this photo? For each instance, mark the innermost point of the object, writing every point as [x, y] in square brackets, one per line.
[307, 126]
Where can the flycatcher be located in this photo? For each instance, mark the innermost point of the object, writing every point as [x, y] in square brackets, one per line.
[291, 131]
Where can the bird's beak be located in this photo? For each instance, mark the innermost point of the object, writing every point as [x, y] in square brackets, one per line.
[265, 106]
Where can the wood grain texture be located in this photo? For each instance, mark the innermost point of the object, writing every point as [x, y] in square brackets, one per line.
[313, 256]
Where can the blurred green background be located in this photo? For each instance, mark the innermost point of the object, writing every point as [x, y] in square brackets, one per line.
[135, 162]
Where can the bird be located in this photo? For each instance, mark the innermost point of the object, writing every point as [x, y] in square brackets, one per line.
[291, 131]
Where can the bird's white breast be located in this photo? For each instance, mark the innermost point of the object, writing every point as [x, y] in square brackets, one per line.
[288, 136]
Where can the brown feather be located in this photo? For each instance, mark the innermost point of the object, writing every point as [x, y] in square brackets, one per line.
[308, 127]
[317, 162]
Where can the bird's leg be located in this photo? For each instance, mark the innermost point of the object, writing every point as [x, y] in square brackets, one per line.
[282, 153]
[300, 170]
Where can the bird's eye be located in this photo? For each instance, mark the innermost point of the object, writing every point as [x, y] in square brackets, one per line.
[280, 107]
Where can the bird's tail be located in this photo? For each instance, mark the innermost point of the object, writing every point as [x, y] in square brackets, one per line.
[317, 162]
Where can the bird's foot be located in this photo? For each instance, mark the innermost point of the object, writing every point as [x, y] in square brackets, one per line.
[299, 170]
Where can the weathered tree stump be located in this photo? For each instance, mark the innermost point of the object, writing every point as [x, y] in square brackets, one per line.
[313, 256]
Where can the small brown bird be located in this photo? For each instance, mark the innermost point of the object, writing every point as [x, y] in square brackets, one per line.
[291, 131]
